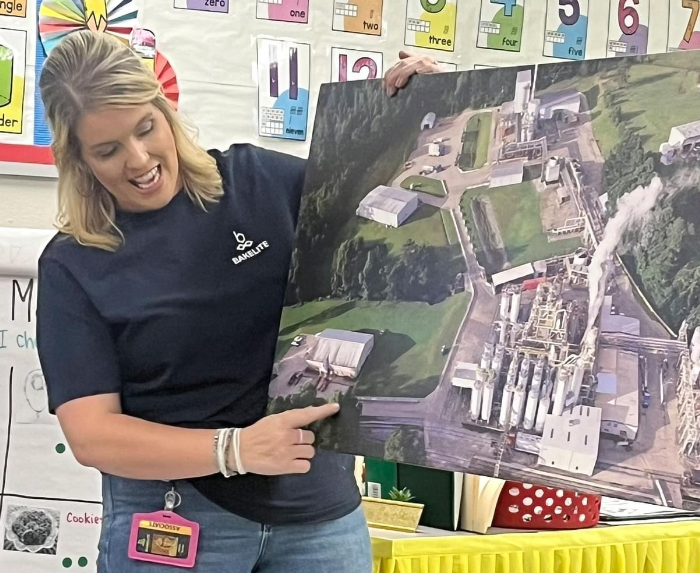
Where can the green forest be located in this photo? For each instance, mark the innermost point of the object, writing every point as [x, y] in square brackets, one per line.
[361, 139]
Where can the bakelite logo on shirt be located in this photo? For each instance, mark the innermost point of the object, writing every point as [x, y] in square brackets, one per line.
[242, 243]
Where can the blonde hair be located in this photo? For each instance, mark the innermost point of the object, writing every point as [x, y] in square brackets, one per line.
[88, 71]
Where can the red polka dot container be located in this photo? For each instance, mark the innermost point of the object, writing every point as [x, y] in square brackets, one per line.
[527, 506]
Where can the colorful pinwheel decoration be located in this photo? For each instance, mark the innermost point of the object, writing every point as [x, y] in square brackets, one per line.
[58, 18]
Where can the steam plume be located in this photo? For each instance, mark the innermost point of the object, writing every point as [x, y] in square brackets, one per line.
[631, 208]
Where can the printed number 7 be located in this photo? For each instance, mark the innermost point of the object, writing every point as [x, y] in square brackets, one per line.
[571, 19]
[508, 6]
[694, 6]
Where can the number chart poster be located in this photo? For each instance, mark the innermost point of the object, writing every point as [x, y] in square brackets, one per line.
[358, 16]
[628, 28]
[50, 506]
[203, 5]
[431, 24]
[501, 25]
[13, 49]
[284, 10]
[683, 31]
[283, 89]
[349, 65]
[566, 29]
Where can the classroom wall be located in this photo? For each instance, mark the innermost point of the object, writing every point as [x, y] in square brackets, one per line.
[28, 202]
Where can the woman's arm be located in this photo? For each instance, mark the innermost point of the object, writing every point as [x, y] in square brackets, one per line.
[101, 436]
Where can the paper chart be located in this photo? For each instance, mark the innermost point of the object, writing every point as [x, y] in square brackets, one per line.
[501, 25]
[358, 16]
[431, 24]
[566, 29]
[284, 10]
[628, 27]
[349, 65]
[283, 89]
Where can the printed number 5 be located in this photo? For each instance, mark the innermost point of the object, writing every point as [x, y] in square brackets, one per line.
[571, 19]
[694, 6]
[623, 12]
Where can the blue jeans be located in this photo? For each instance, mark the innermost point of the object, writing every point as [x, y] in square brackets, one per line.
[228, 543]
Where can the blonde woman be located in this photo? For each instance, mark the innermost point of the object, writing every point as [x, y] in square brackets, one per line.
[153, 342]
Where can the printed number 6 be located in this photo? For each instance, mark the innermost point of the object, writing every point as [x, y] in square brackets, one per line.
[433, 6]
[623, 12]
[569, 19]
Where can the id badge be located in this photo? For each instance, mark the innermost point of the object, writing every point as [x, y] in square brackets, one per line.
[163, 537]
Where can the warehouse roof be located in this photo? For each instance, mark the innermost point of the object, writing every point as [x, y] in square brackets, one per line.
[389, 199]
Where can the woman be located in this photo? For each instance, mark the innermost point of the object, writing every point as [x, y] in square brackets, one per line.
[152, 340]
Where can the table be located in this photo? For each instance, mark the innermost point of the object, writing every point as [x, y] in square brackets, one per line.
[669, 547]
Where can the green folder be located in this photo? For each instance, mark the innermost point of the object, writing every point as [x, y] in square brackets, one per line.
[440, 492]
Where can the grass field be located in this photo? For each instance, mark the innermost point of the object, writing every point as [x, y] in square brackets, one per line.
[424, 185]
[475, 147]
[450, 229]
[517, 209]
[406, 359]
[654, 99]
[425, 226]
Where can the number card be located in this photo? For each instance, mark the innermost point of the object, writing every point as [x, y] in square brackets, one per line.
[348, 65]
[283, 89]
[683, 28]
[13, 46]
[358, 16]
[431, 24]
[284, 10]
[628, 29]
[501, 25]
[566, 29]
[203, 5]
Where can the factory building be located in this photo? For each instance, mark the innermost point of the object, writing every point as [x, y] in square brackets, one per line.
[617, 392]
[570, 442]
[389, 206]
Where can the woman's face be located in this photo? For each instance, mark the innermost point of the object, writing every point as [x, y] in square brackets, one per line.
[131, 151]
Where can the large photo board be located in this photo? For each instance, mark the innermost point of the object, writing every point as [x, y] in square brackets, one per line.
[504, 280]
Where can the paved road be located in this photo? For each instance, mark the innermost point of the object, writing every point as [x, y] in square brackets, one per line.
[450, 131]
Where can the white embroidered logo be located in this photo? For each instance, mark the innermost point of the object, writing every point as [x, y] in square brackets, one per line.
[244, 244]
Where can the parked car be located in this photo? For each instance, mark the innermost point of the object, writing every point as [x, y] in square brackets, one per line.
[646, 399]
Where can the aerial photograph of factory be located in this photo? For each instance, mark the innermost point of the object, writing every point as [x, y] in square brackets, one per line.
[498, 272]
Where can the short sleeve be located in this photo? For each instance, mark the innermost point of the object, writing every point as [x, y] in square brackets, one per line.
[74, 343]
[290, 170]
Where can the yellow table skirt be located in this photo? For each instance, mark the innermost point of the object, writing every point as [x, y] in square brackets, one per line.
[649, 548]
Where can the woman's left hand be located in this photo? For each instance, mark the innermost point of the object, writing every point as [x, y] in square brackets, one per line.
[409, 64]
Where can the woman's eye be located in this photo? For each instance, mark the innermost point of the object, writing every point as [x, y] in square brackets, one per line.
[108, 153]
[147, 129]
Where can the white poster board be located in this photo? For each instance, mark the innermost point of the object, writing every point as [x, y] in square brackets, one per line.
[50, 506]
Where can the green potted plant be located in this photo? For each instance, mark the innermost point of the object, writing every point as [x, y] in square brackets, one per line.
[397, 513]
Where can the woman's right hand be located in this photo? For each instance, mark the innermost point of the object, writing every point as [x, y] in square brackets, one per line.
[276, 445]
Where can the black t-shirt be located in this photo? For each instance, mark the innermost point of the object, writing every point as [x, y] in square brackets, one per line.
[182, 322]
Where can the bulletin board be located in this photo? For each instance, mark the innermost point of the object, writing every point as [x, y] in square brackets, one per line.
[249, 70]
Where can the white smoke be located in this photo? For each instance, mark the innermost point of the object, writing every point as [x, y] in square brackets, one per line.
[631, 208]
[695, 347]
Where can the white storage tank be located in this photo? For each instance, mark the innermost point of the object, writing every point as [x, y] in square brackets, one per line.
[518, 407]
[515, 306]
[505, 305]
[560, 388]
[542, 412]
